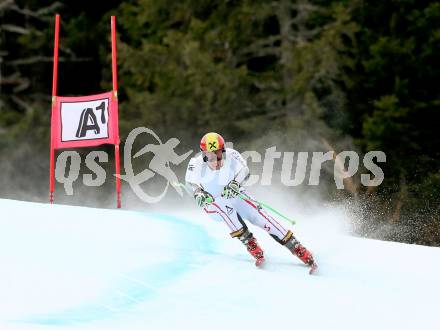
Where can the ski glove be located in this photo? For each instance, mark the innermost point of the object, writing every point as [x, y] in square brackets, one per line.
[232, 190]
[203, 197]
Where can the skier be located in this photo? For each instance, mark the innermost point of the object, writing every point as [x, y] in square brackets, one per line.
[216, 177]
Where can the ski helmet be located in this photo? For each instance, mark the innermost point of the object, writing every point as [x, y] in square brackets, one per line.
[212, 143]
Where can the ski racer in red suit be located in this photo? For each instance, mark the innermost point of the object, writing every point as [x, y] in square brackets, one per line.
[216, 177]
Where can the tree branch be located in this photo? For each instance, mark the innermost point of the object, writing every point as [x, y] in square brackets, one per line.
[28, 108]
[14, 29]
[308, 8]
[5, 4]
[49, 9]
[306, 34]
[40, 13]
[15, 79]
[39, 59]
[261, 46]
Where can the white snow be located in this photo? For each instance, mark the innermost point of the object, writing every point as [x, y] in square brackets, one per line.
[65, 267]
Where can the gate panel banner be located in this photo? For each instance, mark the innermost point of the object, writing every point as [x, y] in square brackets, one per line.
[85, 121]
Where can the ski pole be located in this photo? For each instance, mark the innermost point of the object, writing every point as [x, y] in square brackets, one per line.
[178, 184]
[267, 206]
[185, 187]
[244, 197]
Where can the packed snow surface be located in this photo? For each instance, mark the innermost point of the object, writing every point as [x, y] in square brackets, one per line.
[66, 267]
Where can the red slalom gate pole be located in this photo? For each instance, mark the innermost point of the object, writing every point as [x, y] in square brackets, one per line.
[115, 95]
[114, 56]
[118, 179]
[54, 95]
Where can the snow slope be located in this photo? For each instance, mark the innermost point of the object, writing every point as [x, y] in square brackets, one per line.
[64, 267]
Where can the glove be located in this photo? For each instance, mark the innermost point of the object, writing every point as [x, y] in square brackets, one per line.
[203, 197]
[232, 190]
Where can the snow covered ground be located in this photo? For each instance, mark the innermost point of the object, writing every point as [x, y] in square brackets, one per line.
[64, 267]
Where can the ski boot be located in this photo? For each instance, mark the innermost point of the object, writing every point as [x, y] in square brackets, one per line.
[302, 253]
[256, 251]
[252, 246]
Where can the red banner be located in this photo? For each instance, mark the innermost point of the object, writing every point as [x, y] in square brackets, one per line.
[85, 121]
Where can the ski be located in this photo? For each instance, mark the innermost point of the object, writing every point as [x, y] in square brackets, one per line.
[313, 268]
[259, 261]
